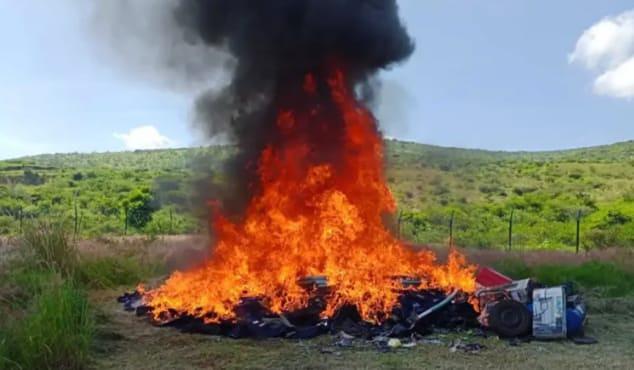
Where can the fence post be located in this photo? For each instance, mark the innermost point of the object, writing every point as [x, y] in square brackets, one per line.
[20, 218]
[451, 229]
[125, 221]
[76, 217]
[398, 223]
[578, 227]
[171, 221]
[79, 224]
[510, 244]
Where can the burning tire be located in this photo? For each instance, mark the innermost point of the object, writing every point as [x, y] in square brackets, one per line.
[510, 319]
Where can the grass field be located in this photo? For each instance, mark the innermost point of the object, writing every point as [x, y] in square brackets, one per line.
[161, 192]
[56, 317]
[59, 279]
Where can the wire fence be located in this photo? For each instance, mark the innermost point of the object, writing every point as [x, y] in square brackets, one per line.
[508, 232]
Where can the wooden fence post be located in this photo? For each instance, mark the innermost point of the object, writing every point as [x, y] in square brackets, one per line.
[125, 221]
[451, 229]
[76, 217]
[577, 241]
[510, 243]
[171, 222]
[20, 218]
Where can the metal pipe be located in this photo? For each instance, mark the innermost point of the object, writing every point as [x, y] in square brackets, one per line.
[434, 308]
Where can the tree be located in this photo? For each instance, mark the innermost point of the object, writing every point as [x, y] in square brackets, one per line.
[32, 178]
[139, 206]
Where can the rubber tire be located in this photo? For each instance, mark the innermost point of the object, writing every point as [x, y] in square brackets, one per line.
[509, 318]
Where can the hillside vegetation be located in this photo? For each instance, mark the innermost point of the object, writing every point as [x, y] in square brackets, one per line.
[161, 192]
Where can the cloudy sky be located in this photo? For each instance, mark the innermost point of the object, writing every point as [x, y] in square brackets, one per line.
[494, 74]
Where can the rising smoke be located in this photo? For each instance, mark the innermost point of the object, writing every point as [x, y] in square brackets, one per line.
[263, 46]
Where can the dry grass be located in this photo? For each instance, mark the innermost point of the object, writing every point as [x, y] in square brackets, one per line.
[178, 250]
[8, 247]
[174, 251]
[621, 256]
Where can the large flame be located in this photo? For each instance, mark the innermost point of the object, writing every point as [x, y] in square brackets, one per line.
[311, 216]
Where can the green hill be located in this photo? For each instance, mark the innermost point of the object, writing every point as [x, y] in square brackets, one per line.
[480, 188]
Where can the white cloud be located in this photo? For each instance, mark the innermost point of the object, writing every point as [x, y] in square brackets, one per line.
[617, 82]
[607, 48]
[144, 137]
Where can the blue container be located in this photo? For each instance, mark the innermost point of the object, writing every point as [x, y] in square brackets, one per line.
[575, 316]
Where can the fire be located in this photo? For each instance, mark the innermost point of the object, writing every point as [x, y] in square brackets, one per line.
[319, 211]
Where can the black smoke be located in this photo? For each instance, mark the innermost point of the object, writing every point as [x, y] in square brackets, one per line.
[275, 43]
[266, 47]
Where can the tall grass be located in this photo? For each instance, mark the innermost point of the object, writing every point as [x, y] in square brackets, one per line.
[51, 326]
[49, 323]
[605, 278]
[55, 333]
[49, 246]
[115, 271]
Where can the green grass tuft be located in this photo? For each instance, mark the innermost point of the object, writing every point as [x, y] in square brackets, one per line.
[114, 271]
[55, 333]
[25, 284]
[50, 325]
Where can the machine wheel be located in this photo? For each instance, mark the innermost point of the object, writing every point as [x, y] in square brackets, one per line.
[510, 319]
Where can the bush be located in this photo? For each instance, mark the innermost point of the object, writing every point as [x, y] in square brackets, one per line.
[165, 222]
[140, 208]
[6, 225]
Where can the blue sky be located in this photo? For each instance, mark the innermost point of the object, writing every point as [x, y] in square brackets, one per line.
[508, 75]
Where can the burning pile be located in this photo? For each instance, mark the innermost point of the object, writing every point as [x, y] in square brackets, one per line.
[312, 216]
[307, 194]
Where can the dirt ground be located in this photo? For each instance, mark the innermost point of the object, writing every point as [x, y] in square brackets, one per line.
[125, 341]
[129, 342]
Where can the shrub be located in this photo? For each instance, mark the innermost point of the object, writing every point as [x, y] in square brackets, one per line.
[140, 207]
[6, 224]
[165, 222]
[489, 189]
[521, 190]
[32, 178]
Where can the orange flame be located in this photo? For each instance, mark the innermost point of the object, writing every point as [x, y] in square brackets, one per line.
[312, 218]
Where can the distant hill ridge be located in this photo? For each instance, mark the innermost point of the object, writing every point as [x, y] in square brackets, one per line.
[545, 190]
[621, 151]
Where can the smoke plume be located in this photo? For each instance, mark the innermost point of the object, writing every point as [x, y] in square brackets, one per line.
[271, 45]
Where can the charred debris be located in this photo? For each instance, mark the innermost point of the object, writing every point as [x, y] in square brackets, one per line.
[517, 311]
